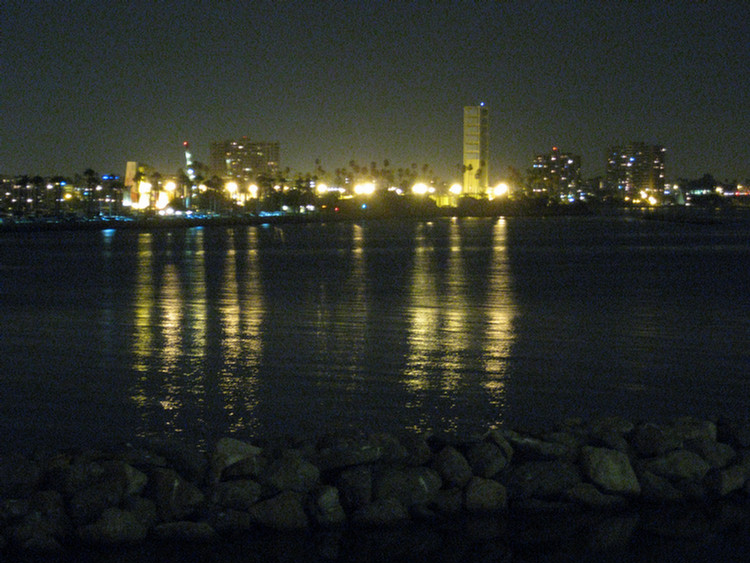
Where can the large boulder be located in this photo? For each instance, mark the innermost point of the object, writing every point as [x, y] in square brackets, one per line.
[410, 486]
[716, 454]
[610, 470]
[175, 498]
[486, 459]
[115, 526]
[239, 495]
[347, 453]
[230, 451]
[542, 479]
[589, 496]
[285, 511]
[539, 450]
[452, 467]
[678, 465]
[325, 507]
[187, 460]
[724, 481]
[485, 495]
[291, 472]
[689, 428]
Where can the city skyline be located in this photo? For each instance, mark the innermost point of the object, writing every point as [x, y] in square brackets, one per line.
[94, 86]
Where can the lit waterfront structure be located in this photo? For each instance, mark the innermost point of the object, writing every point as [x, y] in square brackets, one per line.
[556, 173]
[476, 151]
[244, 160]
[636, 167]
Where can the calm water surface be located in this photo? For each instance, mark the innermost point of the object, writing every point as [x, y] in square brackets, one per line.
[446, 325]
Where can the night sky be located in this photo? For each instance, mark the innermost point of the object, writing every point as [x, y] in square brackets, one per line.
[95, 84]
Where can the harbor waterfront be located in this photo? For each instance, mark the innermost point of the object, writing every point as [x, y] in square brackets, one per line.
[294, 329]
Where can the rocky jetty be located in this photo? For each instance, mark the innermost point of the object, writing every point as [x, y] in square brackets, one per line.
[684, 477]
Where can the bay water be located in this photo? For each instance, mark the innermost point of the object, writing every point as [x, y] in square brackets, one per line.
[449, 325]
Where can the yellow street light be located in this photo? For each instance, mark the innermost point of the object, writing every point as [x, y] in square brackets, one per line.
[456, 189]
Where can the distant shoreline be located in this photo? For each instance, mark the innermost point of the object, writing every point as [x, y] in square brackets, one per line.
[695, 215]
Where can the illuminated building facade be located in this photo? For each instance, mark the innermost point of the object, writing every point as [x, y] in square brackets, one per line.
[244, 160]
[476, 151]
[556, 173]
[636, 167]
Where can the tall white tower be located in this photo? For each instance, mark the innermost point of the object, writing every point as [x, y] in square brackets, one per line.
[476, 151]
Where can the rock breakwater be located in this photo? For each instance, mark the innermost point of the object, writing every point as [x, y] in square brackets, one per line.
[686, 477]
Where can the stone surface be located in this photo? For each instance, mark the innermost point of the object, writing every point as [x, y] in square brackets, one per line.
[187, 460]
[285, 511]
[486, 459]
[716, 454]
[115, 526]
[239, 495]
[175, 498]
[724, 481]
[230, 451]
[496, 437]
[290, 472]
[325, 507]
[542, 479]
[689, 428]
[452, 467]
[659, 489]
[610, 470]
[347, 454]
[485, 495]
[678, 464]
[410, 486]
[536, 449]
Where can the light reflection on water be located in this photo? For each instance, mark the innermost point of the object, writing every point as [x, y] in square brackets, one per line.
[444, 325]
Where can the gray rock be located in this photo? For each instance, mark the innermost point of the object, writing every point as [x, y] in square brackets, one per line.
[589, 496]
[282, 512]
[19, 476]
[132, 480]
[410, 486]
[239, 495]
[187, 460]
[42, 545]
[115, 526]
[290, 472]
[46, 517]
[542, 479]
[452, 467]
[325, 507]
[175, 498]
[650, 440]
[143, 508]
[610, 433]
[251, 467]
[230, 451]
[716, 454]
[609, 470]
[382, 512]
[496, 437]
[614, 533]
[355, 487]
[724, 481]
[678, 464]
[485, 495]
[486, 459]
[536, 449]
[347, 454]
[186, 531]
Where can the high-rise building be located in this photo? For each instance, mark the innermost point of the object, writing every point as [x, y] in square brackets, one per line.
[476, 150]
[636, 167]
[556, 173]
[244, 160]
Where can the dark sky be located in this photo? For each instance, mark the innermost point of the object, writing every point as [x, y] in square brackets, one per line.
[95, 84]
